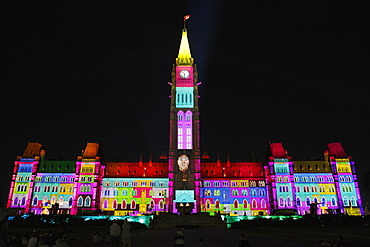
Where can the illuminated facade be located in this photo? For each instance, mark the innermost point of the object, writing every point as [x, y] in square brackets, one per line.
[185, 181]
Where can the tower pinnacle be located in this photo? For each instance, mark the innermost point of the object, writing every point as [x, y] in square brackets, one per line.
[184, 56]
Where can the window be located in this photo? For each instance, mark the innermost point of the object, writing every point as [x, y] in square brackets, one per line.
[161, 204]
[263, 203]
[308, 201]
[281, 202]
[236, 204]
[353, 201]
[133, 204]
[323, 201]
[208, 204]
[115, 204]
[345, 201]
[217, 205]
[70, 201]
[298, 202]
[34, 202]
[254, 203]
[333, 201]
[61, 200]
[80, 201]
[87, 201]
[124, 204]
[105, 203]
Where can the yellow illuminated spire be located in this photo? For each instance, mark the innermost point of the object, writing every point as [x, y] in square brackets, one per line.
[184, 57]
[184, 51]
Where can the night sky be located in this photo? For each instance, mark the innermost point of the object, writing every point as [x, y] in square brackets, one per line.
[295, 72]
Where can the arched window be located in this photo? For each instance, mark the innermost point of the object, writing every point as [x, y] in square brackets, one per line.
[133, 204]
[353, 201]
[315, 200]
[161, 204]
[115, 204]
[152, 204]
[70, 201]
[87, 201]
[23, 201]
[323, 201]
[345, 201]
[61, 200]
[281, 202]
[263, 203]
[124, 204]
[80, 201]
[105, 203]
[236, 204]
[254, 203]
[245, 204]
[298, 202]
[15, 202]
[308, 201]
[333, 201]
[208, 204]
[34, 202]
[288, 202]
[217, 204]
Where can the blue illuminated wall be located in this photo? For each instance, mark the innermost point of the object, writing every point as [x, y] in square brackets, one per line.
[184, 97]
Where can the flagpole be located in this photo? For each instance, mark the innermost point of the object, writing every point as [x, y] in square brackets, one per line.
[185, 18]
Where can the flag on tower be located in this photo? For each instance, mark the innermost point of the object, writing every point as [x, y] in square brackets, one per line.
[186, 17]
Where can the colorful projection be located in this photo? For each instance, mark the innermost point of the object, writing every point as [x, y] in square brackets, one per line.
[184, 97]
[184, 130]
[184, 76]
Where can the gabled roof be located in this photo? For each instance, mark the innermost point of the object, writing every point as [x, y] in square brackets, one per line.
[336, 150]
[91, 151]
[32, 150]
[277, 150]
[136, 170]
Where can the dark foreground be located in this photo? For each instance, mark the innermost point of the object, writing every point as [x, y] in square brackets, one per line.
[257, 236]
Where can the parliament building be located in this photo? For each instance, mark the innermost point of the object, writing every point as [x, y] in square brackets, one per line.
[185, 180]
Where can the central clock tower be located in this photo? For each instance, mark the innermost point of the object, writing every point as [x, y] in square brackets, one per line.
[184, 149]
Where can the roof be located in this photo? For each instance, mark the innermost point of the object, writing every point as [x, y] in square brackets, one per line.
[231, 170]
[336, 150]
[54, 166]
[311, 167]
[184, 56]
[91, 151]
[32, 150]
[277, 150]
[136, 169]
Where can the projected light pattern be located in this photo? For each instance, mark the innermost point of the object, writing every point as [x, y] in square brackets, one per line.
[278, 186]
[184, 130]
[184, 97]
[234, 197]
[134, 196]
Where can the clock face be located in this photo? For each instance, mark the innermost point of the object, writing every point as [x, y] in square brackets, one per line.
[184, 74]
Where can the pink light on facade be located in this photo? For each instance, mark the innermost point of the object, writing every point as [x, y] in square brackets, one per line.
[184, 130]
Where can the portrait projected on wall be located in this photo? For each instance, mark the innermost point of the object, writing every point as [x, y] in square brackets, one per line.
[183, 163]
[184, 130]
